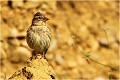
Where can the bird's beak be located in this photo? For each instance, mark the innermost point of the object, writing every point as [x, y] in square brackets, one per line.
[45, 19]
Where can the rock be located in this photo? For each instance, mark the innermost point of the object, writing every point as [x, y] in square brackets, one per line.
[32, 4]
[59, 59]
[13, 32]
[92, 43]
[0, 11]
[3, 55]
[23, 43]
[77, 74]
[13, 41]
[2, 76]
[70, 41]
[118, 38]
[52, 4]
[84, 31]
[53, 45]
[20, 54]
[72, 63]
[37, 69]
[22, 34]
[99, 78]
[103, 42]
[17, 4]
[44, 7]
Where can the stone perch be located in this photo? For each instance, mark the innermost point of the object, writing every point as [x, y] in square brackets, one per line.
[36, 69]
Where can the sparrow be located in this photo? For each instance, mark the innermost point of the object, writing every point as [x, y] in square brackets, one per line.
[38, 35]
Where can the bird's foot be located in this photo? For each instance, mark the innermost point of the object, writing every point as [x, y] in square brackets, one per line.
[43, 56]
[33, 57]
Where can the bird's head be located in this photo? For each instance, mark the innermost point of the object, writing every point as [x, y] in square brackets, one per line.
[39, 18]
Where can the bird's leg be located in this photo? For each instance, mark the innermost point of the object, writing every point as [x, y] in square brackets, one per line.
[43, 55]
[33, 55]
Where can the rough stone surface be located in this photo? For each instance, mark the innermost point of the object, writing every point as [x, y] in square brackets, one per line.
[36, 69]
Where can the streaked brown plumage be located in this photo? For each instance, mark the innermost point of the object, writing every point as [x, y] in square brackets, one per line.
[38, 34]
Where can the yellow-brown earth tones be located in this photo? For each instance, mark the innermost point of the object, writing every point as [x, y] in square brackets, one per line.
[88, 20]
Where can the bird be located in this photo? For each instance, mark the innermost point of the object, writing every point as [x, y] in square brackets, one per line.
[38, 35]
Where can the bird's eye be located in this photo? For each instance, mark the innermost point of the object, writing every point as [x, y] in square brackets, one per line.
[40, 17]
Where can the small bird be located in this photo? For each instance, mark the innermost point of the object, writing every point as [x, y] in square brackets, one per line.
[38, 35]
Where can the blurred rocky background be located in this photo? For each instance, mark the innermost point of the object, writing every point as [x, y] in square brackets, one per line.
[88, 20]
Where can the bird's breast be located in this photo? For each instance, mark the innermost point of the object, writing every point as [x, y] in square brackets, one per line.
[38, 38]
